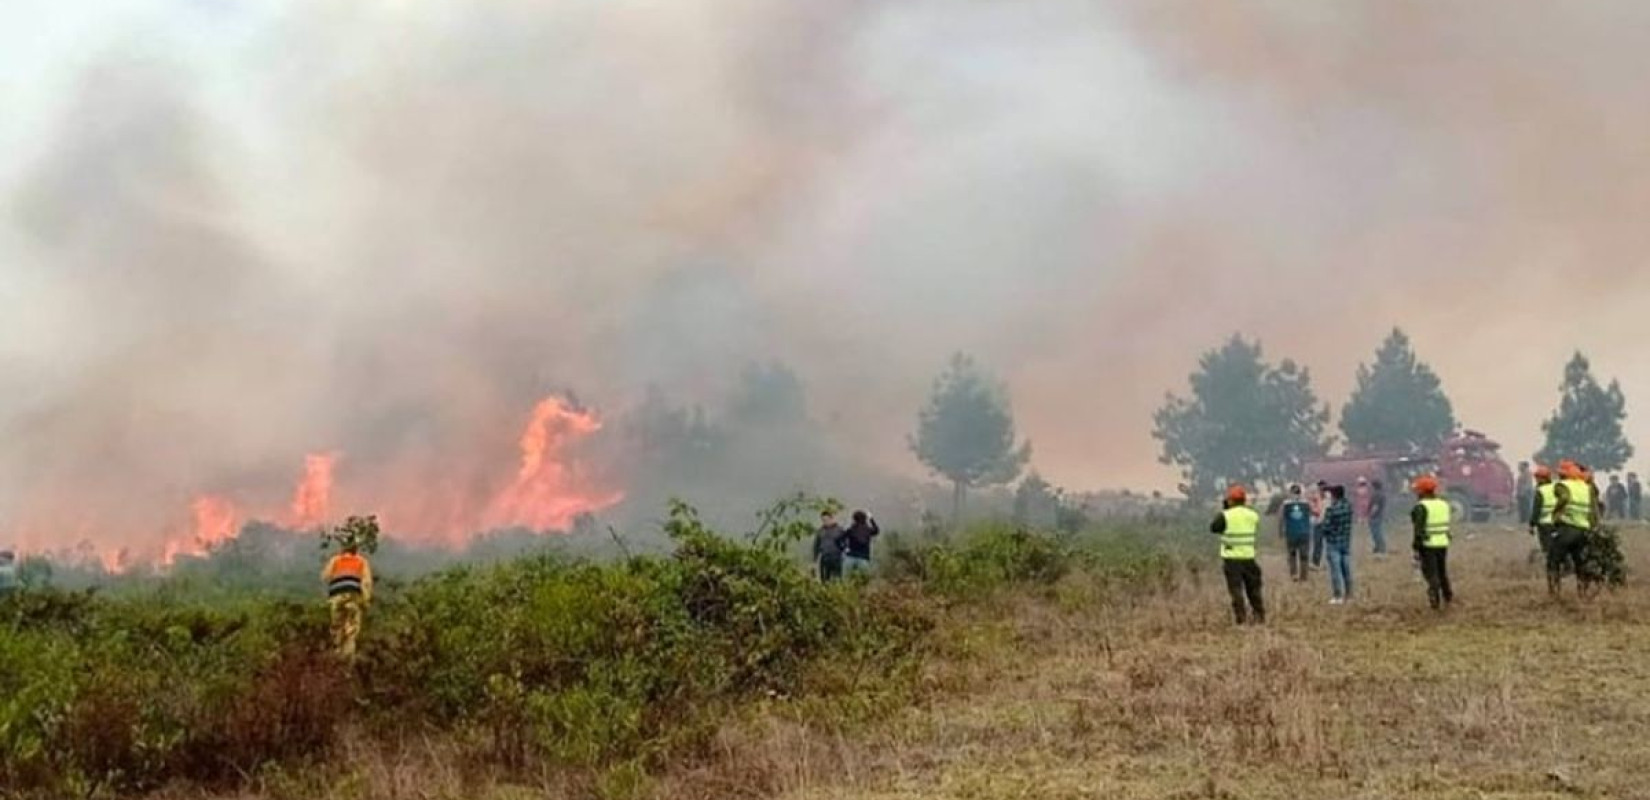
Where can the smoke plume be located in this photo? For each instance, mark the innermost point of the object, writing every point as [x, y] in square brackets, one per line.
[381, 234]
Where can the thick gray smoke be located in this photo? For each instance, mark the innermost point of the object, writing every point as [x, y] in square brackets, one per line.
[388, 229]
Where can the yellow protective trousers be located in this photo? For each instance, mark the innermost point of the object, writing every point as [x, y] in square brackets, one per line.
[346, 622]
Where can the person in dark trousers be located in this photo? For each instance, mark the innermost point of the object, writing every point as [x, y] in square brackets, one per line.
[1238, 526]
[1542, 525]
[1575, 514]
[1320, 506]
[1635, 497]
[1377, 516]
[1524, 489]
[1295, 526]
[829, 544]
[1615, 499]
[858, 543]
[1336, 533]
[1431, 518]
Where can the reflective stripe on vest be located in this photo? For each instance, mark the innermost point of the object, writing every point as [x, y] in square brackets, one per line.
[1548, 492]
[1438, 514]
[348, 573]
[1578, 513]
[343, 585]
[1238, 542]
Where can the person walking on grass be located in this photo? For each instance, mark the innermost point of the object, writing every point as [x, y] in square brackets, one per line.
[830, 541]
[1377, 517]
[1542, 524]
[1295, 526]
[1431, 518]
[348, 578]
[1524, 488]
[1320, 507]
[1336, 532]
[1238, 526]
[1575, 513]
[1615, 499]
[857, 543]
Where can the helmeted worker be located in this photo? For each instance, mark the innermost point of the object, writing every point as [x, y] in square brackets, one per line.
[1431, 517]
[1238, 526]
[1542, 524]
[348, 578]
[1575, 515]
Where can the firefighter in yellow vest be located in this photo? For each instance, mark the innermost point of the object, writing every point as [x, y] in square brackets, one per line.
[1431, 517]
[1542, 507]
[1239, 528]
[1575, 513]
[348, 578]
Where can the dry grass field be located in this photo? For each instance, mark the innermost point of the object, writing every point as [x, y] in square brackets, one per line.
[1508, 695]
[1053, 694]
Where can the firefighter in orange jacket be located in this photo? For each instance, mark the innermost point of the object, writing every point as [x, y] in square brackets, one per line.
[348, 578]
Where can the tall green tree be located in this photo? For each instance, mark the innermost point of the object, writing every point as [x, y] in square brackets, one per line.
[1587, 425]
[966, 432]
[1036, 502]
[768, 396]
[1246, 422]
[1399, 404]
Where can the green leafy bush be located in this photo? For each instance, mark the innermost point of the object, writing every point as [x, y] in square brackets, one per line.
[589, 666]
[996, 556]
[1603, 558]
[606, 669]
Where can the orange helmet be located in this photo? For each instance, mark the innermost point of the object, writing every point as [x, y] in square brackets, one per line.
[1426, 484]
[1542, 471]
[1569, 470]
[1237, 494]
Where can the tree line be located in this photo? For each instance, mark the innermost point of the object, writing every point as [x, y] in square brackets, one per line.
[1247, 420]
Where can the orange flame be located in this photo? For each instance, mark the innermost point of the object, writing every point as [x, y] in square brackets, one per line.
[546, 493]
[115, 562]
[216, 521]
[312, 501]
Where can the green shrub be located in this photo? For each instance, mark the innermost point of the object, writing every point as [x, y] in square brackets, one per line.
[608, 669]
[990, 558]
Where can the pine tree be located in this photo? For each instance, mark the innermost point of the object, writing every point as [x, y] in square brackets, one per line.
[1246, 422]
[1398, 405]
[966, 432]
[1587, 425]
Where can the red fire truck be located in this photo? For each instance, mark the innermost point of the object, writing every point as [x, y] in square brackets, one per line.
[1475, 481]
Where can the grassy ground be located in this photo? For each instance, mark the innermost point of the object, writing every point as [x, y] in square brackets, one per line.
[1508, 695]
[1052, 693]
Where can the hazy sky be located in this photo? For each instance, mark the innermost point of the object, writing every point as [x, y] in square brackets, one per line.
[235, 232]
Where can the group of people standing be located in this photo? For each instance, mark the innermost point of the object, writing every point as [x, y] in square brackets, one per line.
[1563, 516]
[1315, 532]
[1620, 500]
[838, 550]
[1319, 529]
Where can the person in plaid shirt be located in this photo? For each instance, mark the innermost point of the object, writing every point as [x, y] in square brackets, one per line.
[1336, 532]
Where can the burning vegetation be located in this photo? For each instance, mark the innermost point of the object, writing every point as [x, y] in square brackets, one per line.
[547, 492]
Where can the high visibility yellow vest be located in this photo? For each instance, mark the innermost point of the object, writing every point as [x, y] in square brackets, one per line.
[1578, 513]
[1548, 494]
[1437, 523]
[1238, 542]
